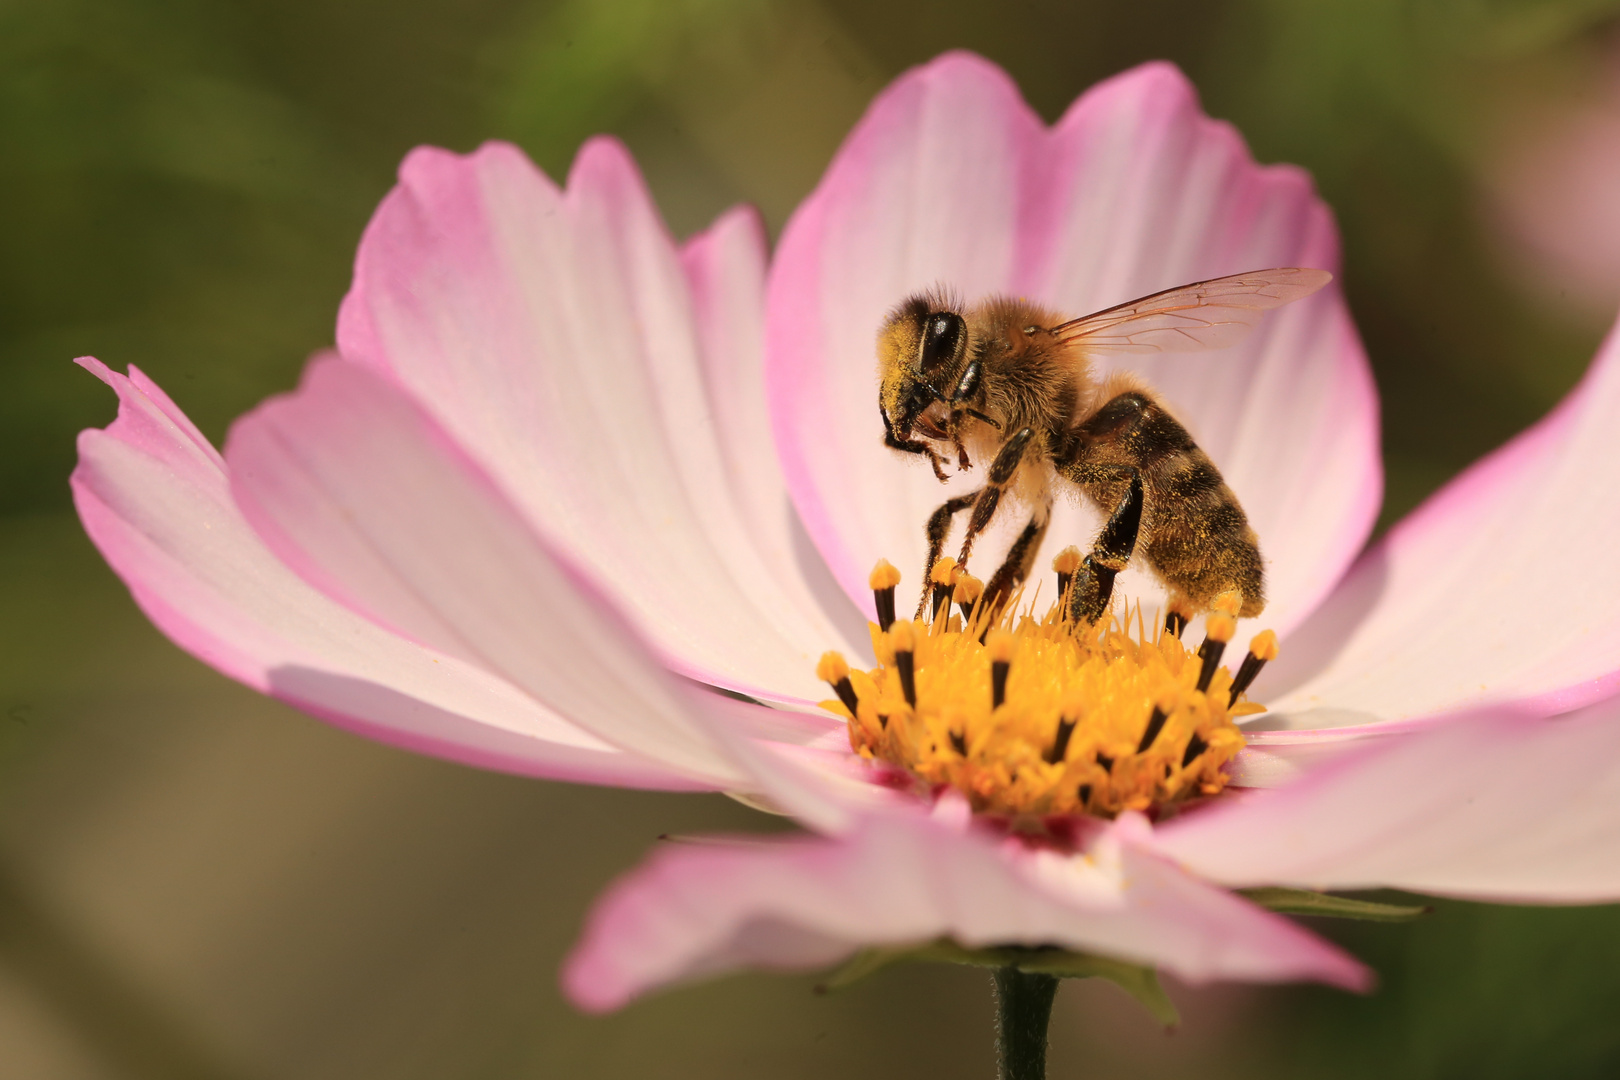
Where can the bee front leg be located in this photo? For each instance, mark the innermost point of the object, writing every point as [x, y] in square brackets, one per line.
[963, 464]
[939, 525]
[1093, 584]
[912, 446]
[1002, 470]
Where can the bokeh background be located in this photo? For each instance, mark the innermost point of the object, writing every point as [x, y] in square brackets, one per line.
[199, 883]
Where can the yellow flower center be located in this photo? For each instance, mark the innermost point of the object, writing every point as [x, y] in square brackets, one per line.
[1035, 716]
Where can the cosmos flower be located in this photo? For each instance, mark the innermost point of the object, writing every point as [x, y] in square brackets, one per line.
[563, 479]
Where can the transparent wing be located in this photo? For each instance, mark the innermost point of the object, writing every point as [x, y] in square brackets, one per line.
[1203, 315]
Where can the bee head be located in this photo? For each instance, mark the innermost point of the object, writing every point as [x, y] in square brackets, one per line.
[921, 349]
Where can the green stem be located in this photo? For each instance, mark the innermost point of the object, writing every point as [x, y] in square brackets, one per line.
[1023, 1007]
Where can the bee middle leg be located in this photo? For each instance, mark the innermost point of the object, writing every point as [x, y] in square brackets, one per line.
[984, 502]
[1093, 584]
[1015, 567]
[1002, 470]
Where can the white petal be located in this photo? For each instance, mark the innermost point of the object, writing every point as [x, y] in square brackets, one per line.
[155, 498]
[1501, 587]
[1497, 806]
[350, 482]
[902, 878]
[554, 335]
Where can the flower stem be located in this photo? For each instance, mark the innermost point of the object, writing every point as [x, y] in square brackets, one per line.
[1023, 1007]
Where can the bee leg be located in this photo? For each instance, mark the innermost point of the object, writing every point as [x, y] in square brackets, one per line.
[912, 446]
[1015, 567]
[939, 524]
[1002, 470]
[1093, 584]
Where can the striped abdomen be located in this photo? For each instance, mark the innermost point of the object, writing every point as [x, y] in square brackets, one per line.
[1194, 533]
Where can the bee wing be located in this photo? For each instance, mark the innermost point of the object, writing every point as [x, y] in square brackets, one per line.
[1203, 315]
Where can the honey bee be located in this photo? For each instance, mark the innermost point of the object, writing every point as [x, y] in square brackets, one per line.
[1011, 382]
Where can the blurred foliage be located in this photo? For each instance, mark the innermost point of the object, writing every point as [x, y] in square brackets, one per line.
[1477, 991]
[183, 186]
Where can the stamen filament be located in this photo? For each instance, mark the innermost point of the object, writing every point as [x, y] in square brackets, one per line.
[1060, 745]
[883, 579]
[905, 660]
[1000, 644]
[1218, 630]
[967, 593]
[1035, 716]
[1261, 650]
[943, 580]
[1195, 746]
[833, 669]
[1065, 563]
[1155, 725]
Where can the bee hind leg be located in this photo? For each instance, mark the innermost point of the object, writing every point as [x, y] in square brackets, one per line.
[1093, 584]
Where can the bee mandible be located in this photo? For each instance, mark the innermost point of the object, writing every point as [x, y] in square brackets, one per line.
[1010, 382]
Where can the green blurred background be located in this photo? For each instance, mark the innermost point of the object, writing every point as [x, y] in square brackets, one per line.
[195, 882]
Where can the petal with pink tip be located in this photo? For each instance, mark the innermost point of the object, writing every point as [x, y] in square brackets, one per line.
[558, 337]
[155, 498]
[1501, 587]
[695, 910]
[951, 179]
[725, 267]
[1498, 806]
[351, 483]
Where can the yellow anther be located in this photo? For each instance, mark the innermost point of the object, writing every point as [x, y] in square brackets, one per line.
[1264, 645]
[832, 668]
[1092, 719]
[1228, 602]
[1067, 561]
[999, 643]
[1219, 626]
[968, 589]
[884, 576]
[902, 636]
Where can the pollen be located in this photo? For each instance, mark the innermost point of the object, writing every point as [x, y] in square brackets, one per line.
[1029, 714]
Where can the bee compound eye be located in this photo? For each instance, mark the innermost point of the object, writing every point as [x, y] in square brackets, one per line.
[942, 336]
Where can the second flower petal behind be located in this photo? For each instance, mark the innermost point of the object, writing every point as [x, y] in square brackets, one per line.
[155, 498]
[355, 486]
[556, 335]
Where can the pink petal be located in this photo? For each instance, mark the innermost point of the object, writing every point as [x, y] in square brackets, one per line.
[155, 498]
[558, 338]
[725, 267]
[950, 178]
[1502, 586]
[353, 484]
[1498, 806]
[695, 910]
